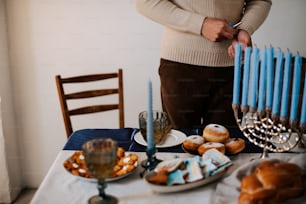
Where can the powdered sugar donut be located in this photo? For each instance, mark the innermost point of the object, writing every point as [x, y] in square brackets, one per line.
[211, 145]
[215, 133]
[192, 142]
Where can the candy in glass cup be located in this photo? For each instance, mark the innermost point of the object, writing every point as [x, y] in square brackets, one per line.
[161, 125]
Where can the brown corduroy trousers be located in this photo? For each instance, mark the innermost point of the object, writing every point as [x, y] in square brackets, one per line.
[194, 96]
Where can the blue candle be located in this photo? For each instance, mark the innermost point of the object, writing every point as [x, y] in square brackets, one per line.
[262, 82]
[296, 87]
[278, 83]
[270, 77]
[237, 74]
[254, 81]
[150, 135]
[303, 113]
[246, 76]
[286, 86]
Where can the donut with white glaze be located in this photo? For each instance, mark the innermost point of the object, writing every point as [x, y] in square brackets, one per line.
[215, 133]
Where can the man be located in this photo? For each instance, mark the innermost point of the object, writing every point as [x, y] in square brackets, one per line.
[196, 67]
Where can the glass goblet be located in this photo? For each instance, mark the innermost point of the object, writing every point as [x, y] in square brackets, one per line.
[161, 126]
[101, 157]
[161, 129]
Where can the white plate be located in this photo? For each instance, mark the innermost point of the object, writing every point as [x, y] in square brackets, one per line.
[228, 189]
[176, 188]
[292, 140]
[174, 138]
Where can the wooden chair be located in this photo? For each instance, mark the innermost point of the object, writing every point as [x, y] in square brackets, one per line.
[64, 96]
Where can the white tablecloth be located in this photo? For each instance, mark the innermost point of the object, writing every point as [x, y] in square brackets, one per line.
[60, 187]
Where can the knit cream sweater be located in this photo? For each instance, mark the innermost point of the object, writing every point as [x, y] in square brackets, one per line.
[183, 19]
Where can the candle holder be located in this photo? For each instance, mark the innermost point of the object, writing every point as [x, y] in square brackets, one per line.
[153, 125]
[262, 115]
[160, 128]
[151, 162]
[267, 132]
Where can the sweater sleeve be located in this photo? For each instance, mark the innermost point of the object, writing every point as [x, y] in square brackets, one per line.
[255, 14]
[166, 13]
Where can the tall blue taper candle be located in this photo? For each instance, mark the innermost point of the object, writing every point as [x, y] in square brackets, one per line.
[296, 88]
[303, 112]
[150, 132]
[254, 81]
[270, 77]
[237, 74]
[262, 82]
[246, 76]
[286, 86]
[277, 84]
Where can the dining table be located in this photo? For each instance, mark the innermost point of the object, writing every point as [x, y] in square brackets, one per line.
[61, 187]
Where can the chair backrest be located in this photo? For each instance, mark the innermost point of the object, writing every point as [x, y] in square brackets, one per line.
[65, 96]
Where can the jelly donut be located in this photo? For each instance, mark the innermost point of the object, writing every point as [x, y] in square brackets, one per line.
[192, 142]
[210, 145]
[234, 145]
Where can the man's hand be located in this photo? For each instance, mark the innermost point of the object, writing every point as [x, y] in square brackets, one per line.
[243, 38]
[217, 30]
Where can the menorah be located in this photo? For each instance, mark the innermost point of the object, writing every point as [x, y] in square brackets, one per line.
[261, 111]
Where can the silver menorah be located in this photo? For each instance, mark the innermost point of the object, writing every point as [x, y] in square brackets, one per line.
[262, 111]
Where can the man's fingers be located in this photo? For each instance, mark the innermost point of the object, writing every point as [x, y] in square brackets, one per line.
[228, 35]
[217, 30]
[231, 51]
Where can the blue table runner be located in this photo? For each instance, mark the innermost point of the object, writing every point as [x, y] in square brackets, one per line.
[125, 139]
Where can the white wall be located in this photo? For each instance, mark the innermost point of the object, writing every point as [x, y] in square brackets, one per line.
[10, 179]
[285, 27]
[49, 37]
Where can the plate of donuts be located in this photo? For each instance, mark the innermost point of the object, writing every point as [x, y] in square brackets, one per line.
[127, 163]
[214, 136]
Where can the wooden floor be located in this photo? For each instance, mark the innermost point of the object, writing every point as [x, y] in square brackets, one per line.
[25, 196]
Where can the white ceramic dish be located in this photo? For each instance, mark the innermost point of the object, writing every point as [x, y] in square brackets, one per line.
[292, 140]
[183, 187]
[228, 189]
[174, 138]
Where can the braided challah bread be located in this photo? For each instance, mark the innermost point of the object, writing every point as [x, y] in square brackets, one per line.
[272, 182]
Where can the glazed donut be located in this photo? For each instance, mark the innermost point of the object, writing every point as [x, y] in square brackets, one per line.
[234, 145]
[192, 142]
[210, 145]
[215, 133]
